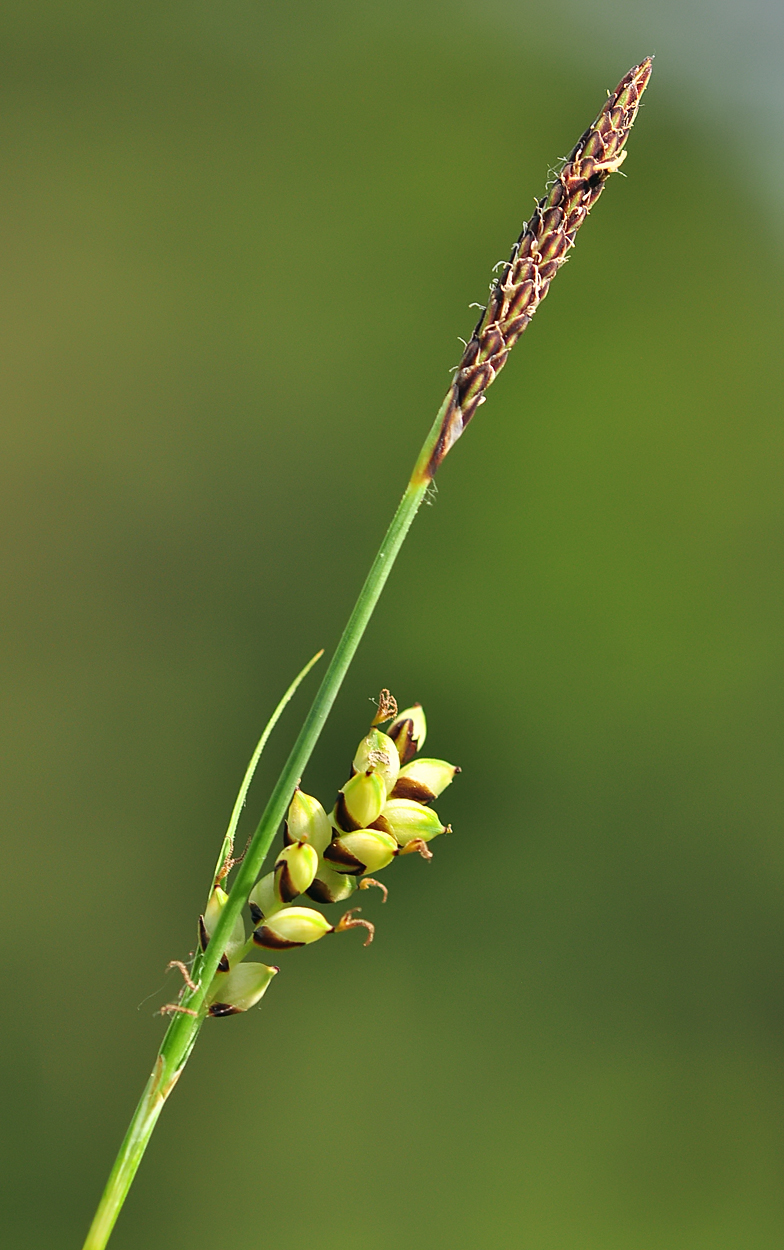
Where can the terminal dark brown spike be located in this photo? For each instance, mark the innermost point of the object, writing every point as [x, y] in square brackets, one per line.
[537, 256]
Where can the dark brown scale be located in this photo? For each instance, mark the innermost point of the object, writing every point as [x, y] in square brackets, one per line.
[528, 273]
[555, 247]
[337, 854]
[468, 410]
[408, 788]
[320, 892]
[403, 734]
[593, 148]
[556, 193]
[270, 941]
[516, 327]
[493, 307]
[342, 815]
[382, 824]
[469, 390]
[286, 887]
[224, 1009]
[492, 342]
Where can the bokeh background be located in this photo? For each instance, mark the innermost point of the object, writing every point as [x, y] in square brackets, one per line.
[239, 241]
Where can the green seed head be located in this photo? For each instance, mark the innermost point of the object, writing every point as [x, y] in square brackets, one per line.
[366, 850]
[377, 753]
[423, 780]
[293, 926]
[359, 802]
[295, 869]
[330, 886]
[307, 822]
[264, 899]
[408, 731]
[407, 820]
[238, 990]
[218, 900]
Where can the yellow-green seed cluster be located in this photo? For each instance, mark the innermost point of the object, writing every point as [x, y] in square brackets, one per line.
[381, 812]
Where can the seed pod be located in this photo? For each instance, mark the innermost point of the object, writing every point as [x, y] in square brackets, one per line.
[264, 899]
[423, 780]
[307, 822]
[207, 923]
[294, 870]
[330, 886]
[359, 802]
[407, 820]
[408, 731]
[293, 926]
[365, 850]
[238, 990]
[377, 753]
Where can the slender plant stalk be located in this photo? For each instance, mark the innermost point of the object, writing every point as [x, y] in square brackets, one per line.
[539, 252]
[158, 1088]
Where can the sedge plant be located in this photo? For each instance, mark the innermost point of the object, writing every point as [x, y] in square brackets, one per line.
[383, 810]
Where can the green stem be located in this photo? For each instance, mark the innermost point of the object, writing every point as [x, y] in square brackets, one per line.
[163, 1077]
[128, 1159]
[183, 1030]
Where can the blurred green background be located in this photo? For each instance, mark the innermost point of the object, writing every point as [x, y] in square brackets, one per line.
[238, 245]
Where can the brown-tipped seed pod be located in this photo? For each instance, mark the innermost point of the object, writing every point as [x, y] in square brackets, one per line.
[238, 990]
[366, 850]
[377, 753]
[264, 899]
[408, 732]
[359, 802]
[330, 886]
[295, 869]
[423, 780]
[307, 822]
[218, 900]
[407, 820]
[293, 926]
